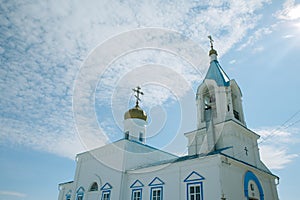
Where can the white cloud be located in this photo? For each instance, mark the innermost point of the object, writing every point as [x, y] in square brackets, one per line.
[232, 61]
[275, 146]
[12, 193]
[276, 158]
[43, 46]
[290, 11]
[258, 49]
[40, 138]
[257, 35]
[288, 36]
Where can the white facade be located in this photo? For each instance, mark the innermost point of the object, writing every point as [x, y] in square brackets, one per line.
[222, 163]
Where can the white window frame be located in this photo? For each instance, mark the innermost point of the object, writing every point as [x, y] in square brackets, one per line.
[134, 191]
[200, 193]
[155, 189]
[105, 192]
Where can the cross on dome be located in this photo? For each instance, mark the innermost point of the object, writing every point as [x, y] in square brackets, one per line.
[212, 51]
[211, 41]
[138, 92]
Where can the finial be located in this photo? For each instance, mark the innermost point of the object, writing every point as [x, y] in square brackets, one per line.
[211, 41]
[138, 91]
[212, 51]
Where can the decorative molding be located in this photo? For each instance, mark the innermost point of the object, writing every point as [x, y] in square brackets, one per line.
[156, 181]
[106, 186]
[137, 184]
[194, 176]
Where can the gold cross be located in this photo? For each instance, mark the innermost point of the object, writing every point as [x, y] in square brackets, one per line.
[138, 91]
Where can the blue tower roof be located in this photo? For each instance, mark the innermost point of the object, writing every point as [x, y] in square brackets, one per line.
[215, 72]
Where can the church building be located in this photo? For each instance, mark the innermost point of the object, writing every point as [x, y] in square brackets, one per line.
[223, 160]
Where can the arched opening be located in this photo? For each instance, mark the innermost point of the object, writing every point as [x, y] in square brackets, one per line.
[209, 104]
[236, 98]
[94, 187]
[252, 187]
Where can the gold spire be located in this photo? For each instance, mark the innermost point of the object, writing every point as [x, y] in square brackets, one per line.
[212, 51]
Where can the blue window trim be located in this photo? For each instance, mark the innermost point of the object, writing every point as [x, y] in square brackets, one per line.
[161, 191]
[106, 186]
[105, 192]
[156, 178]
[135, 184]
[80, 192]
[134, 190]
[251, 176]
[194, 183]
[187, 179]
[68, 196]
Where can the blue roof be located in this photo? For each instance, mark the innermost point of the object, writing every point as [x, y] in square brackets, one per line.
[215, 72]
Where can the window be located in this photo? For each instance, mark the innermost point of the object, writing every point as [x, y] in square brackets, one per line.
[252, 187]
[94, 187]
[137, 187]
[106, 189]
[80, 194]
[141, 137]
[156, 193]
[105, 195]
[80, 197]
[195, 191]
[127, 135]
[68, 196]
[136, 194]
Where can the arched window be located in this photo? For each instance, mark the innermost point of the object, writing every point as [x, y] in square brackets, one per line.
[252, 187]
[94, 187]
[80, 193]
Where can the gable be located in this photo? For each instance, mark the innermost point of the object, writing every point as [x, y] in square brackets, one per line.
[156, 181]
[106, 186]
[137, 184]
[194, 176]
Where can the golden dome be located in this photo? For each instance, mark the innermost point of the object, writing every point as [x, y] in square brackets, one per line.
[136, 113]
[212, 51]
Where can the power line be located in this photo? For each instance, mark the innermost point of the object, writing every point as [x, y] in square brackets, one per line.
[281, 127]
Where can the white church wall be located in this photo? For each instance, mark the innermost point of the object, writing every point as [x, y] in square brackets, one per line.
[65, 189]
[232, 178]
[174, 177]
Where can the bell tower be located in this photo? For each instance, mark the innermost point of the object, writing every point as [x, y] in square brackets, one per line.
[221, 124]
[218, 98]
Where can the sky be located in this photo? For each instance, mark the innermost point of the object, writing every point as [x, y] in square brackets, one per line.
[68, 67]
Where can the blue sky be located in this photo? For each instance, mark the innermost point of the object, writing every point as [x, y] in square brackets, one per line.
[45, 47]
